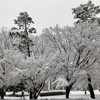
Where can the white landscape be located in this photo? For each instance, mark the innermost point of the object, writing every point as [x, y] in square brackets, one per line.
[73, 95]
[60, 62]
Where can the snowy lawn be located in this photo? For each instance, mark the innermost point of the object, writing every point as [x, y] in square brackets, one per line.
[74, 95]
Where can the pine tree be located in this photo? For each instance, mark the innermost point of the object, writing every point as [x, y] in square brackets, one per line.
[86, 12]
[23, 22]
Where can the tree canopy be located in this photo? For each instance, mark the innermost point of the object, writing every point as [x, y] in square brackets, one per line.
[86, 11]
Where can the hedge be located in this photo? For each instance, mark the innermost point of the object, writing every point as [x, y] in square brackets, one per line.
[52, 93]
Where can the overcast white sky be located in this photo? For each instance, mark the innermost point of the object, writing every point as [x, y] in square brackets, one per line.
[45, 13]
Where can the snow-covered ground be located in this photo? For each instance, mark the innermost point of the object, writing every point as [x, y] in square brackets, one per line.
[73, 94]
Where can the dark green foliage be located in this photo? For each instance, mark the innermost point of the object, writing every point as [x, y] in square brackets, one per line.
[86, 12]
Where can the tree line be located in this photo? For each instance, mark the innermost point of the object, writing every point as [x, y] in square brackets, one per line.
[70, 52]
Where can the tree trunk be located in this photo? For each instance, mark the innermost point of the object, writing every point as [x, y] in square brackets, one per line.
[28, 45]
[68, 88]
[99, 88]
[28, 48]
[14, 92]
[2, 93]
[35, 96]
[90, 88]
[85, 92]
[41, 87]
[32, 96]
[91, 91]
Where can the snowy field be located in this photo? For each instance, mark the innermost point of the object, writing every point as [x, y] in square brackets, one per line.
[73, 95]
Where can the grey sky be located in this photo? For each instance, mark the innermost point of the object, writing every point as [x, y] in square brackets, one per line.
[44, 13]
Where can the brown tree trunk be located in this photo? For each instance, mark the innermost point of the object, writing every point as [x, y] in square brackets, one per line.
[68, 88]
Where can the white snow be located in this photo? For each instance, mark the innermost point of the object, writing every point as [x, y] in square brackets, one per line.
[73, 94]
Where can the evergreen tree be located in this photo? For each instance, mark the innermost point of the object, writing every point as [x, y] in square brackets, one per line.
[21, 33]
[86, 12]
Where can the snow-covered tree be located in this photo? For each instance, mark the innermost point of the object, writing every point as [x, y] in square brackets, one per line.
[33, 71]
[21, 34]
[6, 66]
[76, 46]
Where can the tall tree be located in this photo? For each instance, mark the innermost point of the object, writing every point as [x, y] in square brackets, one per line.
[76, 47]
[23, 22]
[21, 34]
